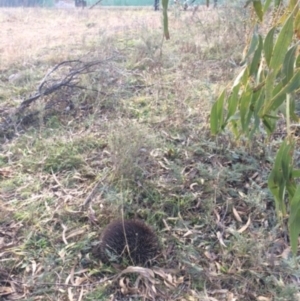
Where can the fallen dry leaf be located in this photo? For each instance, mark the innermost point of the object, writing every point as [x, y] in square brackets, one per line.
[236, 215]
[241, 230]
[262, 298]
[220, 238]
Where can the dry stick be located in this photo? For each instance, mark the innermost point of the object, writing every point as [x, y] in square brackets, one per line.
[95, 4]
[67, 285]
[125, 234]
[66, 81]
[57, 182]
[69, 80]
[92, 193]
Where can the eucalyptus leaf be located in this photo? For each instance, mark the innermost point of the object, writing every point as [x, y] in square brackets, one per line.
[294, 220]
[282, 43]
[268, 45]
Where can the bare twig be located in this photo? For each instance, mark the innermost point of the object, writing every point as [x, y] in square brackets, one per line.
[70, 79]
[95, 4]
[93, 192]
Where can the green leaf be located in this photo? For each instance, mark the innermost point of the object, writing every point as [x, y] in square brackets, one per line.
[286, 163]
[258, 9]
[278, 159]
[294, 220]
[233, 101]
[282, 43]
[256, 57]
[279, 178]
[269, 86]
[253, 44]
[234, 127]
[165, 18]
[243, 77]
[278, 99]
[291, 187]
[277, 89]
[245, 101]
[269, 123]
[298, 61]
[293, 115]
[294, 229]
[217, 115]
[294, 83]
[272, 116]
[274, 188]
[289, 65]
[252, 113]
[296, 173]
[259, 102]
[268, 45]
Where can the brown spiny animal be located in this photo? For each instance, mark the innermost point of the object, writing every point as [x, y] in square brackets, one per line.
[131, 240]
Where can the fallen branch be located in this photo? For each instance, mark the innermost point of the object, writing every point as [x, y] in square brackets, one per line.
[63, 75]
[70, 80]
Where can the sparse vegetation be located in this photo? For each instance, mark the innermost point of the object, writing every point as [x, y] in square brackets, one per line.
[133, 141]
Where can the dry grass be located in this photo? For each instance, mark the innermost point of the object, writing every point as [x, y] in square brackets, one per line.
[27, 35]
[132, 142]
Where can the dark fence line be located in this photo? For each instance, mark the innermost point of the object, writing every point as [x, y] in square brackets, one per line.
[18, 3]
[84, 3]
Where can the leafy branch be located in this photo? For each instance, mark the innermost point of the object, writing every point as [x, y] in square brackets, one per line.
[266, 85]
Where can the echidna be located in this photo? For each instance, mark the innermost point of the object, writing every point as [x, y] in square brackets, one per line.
[131, 240]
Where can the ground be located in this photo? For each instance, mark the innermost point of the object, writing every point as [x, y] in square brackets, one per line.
[120, 129]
